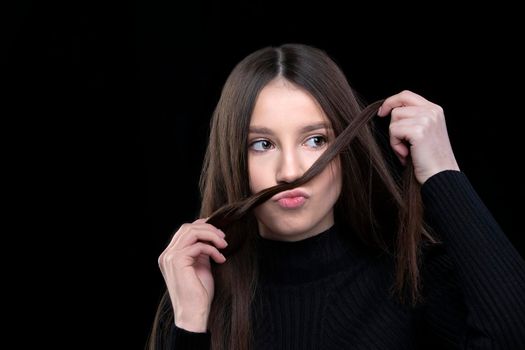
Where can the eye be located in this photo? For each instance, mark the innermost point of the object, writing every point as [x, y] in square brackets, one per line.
[261, 145]
[316, 141]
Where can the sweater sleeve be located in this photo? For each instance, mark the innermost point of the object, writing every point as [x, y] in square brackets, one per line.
[182, 339]
[490, 272]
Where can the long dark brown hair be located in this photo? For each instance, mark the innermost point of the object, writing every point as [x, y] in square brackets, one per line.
[381, 205]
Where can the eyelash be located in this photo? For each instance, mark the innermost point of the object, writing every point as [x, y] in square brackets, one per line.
[323, 139]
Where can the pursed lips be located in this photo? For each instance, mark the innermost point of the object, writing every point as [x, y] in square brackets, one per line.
[291, 199]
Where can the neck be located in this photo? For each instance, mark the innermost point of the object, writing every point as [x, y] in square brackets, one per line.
[285, 262]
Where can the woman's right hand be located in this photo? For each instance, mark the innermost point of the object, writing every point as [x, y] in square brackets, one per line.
[185, 266]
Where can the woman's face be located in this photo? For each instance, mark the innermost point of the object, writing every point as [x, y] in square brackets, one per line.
[288, 132]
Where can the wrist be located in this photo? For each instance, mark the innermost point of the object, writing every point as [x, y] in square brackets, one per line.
[197, 323]
[435, 171]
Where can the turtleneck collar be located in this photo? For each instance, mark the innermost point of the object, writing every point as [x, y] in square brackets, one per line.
[313, 258]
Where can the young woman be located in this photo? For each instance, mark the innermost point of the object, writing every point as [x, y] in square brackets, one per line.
[350, 250]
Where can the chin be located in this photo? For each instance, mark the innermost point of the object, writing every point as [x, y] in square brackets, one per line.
[287, 229]
[292, 225]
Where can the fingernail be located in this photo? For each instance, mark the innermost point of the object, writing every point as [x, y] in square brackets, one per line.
[379, 110]
[222, 233]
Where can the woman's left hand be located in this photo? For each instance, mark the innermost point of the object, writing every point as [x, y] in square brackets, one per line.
[417, 127]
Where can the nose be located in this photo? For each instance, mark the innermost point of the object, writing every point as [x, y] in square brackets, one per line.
[289, 167]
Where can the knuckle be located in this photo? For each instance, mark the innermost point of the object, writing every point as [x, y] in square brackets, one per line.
[394, 115]
[162, 260]
[166, 259]
[391, 127]
[405, 93]
[437, 112]
[419, 132]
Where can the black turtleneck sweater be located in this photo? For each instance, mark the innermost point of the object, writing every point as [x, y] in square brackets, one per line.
[325, 292]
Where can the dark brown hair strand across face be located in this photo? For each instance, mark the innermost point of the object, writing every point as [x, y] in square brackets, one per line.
[225, 215]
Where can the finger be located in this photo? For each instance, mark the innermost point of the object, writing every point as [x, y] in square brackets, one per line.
[186, 229]
[180, 232]
[204, 221]
[399, 140]
[401, 149]
[396, 125]
[197, 249]
[404, 98]
[201, 234]
[409, 112]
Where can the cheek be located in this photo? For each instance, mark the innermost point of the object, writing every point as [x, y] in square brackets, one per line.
[333, 177]
[256, 176]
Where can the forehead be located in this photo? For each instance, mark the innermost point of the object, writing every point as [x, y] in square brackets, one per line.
[281, 103]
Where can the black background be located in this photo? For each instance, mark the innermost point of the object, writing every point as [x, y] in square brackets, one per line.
[109, 106]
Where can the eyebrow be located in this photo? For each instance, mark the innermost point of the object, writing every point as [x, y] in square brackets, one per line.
[304, 129]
